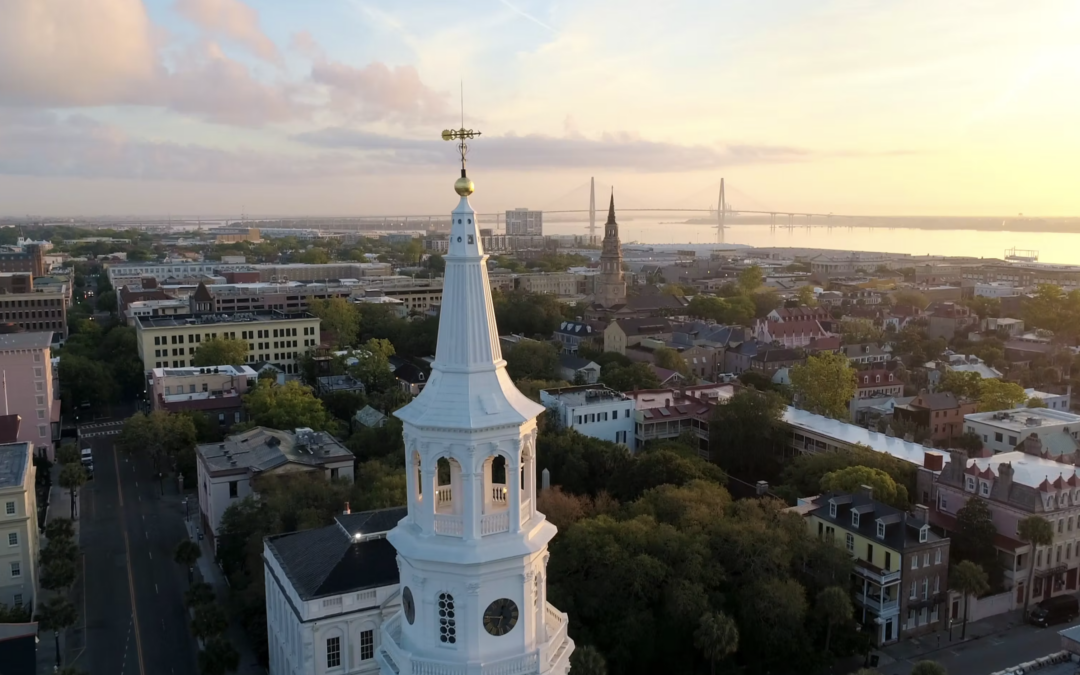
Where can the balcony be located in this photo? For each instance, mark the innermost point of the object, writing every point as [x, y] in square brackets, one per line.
[880, 606]
[495, 519]
[393, 658]
[875, 574]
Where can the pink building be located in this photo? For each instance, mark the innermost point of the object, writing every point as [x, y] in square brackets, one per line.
[28, 386]
[790, 333]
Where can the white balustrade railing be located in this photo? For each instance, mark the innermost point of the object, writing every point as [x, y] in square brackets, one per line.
[445, 495]
[517, 665]
[452, 526]
[494, 523]
[555, 623]
[425, 667]
[498, 494]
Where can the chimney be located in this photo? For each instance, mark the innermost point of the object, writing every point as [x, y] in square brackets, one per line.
[762, 488]
[922, 514]
[866, 490]
[347, 510]
[933, 461]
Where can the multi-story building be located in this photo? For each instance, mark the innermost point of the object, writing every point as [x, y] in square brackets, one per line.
[593, 410]
[1016, 485]
[791, 333]
[522, 221]
[1055, 400]
[215, 391]
[901, 565]
[28, 387]
[33, 309]
[327, 620]
[877, 381]
[949, 319]
[668, 413]
[571, 335]
[624, 333]
[18, 525]
[273, 337]
[941, 414]
[130, 272]
[419, 296]
[1056, 430]
[227, 470]
[865, 354]
[27, 259]
[801, 313]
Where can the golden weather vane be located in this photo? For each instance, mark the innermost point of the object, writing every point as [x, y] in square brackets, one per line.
[463, 186]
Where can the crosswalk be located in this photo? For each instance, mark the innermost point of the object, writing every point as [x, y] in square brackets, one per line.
[99, 429]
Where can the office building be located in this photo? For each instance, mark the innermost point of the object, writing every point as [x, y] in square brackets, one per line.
[33, 309]
[18, 525]
[216, 391]
[28, 387]
[522, 221]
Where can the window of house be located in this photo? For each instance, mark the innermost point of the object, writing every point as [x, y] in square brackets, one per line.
[1058, 554]
[855, 518]
[926, 559]
[937, 556]
[943, 503]
[915, 562]
[9, 508]
[832, 510]
[999, 437]
[13, 539]
[447, 622]
[925, 589]
[1061, 525]
[888, 561]
[881, 530]
[16, 570]
[367, 645]
[17, 599]
[1012, 440]
[850, 542]
[984, 488]
[234, 490]
[334, 473]
[913, 592]
[333, 652]
[970, 484]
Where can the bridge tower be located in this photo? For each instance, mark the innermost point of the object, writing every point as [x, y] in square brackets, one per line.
[721, 207]
[592, 211]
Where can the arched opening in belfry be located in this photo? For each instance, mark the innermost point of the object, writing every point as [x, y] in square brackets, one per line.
[448, 497]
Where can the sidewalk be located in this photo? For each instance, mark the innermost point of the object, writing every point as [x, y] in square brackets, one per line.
[208, 571]
[72, 641]
[924, 647]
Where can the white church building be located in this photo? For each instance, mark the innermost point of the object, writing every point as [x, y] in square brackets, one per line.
[455, 582]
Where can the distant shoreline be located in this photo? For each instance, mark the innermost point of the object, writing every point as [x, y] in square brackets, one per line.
[1023, 225]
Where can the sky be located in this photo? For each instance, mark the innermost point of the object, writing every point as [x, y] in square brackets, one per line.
[335, 107]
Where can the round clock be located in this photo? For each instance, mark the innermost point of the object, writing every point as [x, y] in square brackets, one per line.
[408, 606]
[500, 617]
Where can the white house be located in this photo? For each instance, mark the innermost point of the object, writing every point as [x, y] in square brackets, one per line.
[226, 470]
[328, 592]
[1052, 401]
[1056, 430]
[593, 410]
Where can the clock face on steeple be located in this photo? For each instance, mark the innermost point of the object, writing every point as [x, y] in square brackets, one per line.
[500, 617]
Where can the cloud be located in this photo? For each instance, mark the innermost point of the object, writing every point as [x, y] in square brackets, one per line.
[378, 91]
[234, 20]
[50, 145]
[74, 53]
[624, 151]
[303, 42]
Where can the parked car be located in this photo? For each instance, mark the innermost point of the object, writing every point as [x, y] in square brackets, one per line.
[1061, 609]
[86, 455]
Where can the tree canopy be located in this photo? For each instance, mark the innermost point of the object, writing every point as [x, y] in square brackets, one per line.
[287, 406]
[973, 539]
[825, 385]
[852, 478]
[747, 434]
[532, 360]
[1000, 395]
[339, 317]
[220, 352]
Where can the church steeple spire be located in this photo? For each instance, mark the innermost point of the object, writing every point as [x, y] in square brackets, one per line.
[611, 209]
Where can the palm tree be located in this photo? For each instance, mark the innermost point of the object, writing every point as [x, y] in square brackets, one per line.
[56, 615]
[187, 554]
[72, 477]
[587, 660]
[218, 657]
[969, 579]
[1036, 531]
[717, 637]
[928, 668]
[834, 608]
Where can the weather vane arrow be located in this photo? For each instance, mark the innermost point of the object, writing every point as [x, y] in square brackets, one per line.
[460, 135]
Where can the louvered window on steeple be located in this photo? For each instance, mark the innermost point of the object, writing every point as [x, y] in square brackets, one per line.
[447, 621]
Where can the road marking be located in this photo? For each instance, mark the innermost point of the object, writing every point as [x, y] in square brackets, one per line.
[159, 593]
[136, 483]
[131, 579]
[954, 652]
[151, 554]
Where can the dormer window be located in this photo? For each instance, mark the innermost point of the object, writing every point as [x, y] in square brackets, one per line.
[984, 488]
[832, 509]
[855, 518]
[924, 533]
[1049, 502]
[1064, 499]
[880, 530]
[969, 485]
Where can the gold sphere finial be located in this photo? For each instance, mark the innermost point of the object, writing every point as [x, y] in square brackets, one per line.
[464, 187]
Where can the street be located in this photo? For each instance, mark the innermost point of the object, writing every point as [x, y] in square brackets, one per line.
[990, 653]
[128, 535]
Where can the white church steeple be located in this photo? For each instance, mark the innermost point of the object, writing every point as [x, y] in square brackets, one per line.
[472, 552]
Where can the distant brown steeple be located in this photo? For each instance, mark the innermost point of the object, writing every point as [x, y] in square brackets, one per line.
[611, 289]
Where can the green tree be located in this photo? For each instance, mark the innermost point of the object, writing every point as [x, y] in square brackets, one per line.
[1036, 531]
[825, 385]
[666, 357]
[220, 352]
[805, 296]
[1035, 402]
[339, 317]
[910, 297]
[218, 657]
[59, 528]
[106, 302]
[850, 479]
[198, 593]
[969, 441]
[167, 438]
[968, 579]
[209, 621]
[59, 548]
[1000, 395]
[747, 434]
[57, 615]
[973, 538]
[68, 453]
[372, 366]
[765, 301]
[14, 614]
[717, 637]
[833, 608]
[532, 360]
[629, 378]
[85, 380]
[750, 279]
[436, 263]
[58, 574]
[964, 385]
[929, 668]
[587, 660]
[187, 553]
[528, 314]
[72, 477]
[288, 406]
[804, 474]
